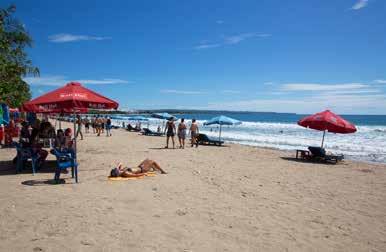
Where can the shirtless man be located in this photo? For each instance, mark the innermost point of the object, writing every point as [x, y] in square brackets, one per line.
[145, 166]
[194, 132]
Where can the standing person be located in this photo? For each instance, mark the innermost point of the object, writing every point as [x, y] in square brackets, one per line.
[108, 126]
[79, 129]
[194, 132]
[87, 124]
[98, 126]
[170, 130]
[103, 123]
[93, 124]
[181, 133]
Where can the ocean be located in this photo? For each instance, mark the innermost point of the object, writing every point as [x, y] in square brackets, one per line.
[280, 131]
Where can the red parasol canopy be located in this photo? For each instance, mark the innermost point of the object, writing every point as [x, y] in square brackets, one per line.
[73, 97]
[327, 121]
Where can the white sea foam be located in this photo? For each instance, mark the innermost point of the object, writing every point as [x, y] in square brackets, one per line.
[367, 144]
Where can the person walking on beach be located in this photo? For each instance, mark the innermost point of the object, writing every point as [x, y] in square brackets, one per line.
[181, 133]
[86, 125]
[98, 124]
[93, 124]
[170, 130]
[79, 129]
[103, 123]
[194, 131]
[108, 126]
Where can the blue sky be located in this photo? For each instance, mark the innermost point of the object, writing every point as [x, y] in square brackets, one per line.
[284, 56]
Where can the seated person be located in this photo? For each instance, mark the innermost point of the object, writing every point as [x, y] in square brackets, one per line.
[60, 139]
[25, 132]
[38, 149]
[46, 130]
[145, 166]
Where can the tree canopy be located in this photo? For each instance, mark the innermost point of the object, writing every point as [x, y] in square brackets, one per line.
[14, 61]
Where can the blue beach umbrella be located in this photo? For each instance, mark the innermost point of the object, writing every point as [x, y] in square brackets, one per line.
[222, 120]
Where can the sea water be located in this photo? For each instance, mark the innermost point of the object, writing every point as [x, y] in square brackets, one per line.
[280, 131]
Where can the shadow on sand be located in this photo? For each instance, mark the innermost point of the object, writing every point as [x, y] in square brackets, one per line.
[9, 167]
[42, 182]
[312, 162]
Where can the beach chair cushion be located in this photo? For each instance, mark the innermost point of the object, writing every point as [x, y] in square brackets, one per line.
[317, 151]
[204, 139]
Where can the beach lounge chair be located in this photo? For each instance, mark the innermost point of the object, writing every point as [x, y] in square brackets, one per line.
[319, 154]
[205, 140]
[131, 128]
[23, 154]
[65, 160]
[149, 132]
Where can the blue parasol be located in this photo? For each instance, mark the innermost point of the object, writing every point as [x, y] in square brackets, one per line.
[222, 120]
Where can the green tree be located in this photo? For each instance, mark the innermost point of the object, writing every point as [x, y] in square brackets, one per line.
[14, 61]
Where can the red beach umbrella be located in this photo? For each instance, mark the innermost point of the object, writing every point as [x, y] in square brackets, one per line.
[71, 98]
[327, 121]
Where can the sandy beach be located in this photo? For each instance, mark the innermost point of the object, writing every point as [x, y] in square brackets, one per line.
[233, 198]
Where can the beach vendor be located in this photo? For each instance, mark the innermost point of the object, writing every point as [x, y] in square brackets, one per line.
[145, 166]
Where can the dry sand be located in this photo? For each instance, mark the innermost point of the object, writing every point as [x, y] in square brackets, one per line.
[234, 198]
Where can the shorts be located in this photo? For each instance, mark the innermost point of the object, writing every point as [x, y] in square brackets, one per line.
[170, 134]
[194, 134]
[182, 134]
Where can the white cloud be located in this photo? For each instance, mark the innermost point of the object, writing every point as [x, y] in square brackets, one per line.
[103, 81]
[231, 91]
[184, 92]
[360, 4]
[40, 91]
[219, 21]
[321, 87]
[380, 81]
[58, 80]
[206, 46]
[351, 104]
[66, 37]
[268, 83]
[231, 40]
[357, 91]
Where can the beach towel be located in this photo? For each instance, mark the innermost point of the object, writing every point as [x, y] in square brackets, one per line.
[148, 174]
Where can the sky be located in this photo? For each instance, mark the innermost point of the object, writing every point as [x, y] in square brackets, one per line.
[270, 55]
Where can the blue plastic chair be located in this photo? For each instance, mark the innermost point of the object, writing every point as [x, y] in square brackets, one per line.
[64, 160]
[23, 154]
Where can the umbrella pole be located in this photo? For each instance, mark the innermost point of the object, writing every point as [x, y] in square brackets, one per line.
[324, 133]
[219, 136]
[75, 150]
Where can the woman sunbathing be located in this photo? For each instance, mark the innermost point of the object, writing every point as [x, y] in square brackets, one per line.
[144, 167]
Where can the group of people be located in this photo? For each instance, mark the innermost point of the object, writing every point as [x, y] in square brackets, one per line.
[99, 125]
[30, 133]
[181, 132]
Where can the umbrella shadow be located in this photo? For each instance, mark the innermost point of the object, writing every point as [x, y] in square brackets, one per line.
[9, 167]
[43, 182]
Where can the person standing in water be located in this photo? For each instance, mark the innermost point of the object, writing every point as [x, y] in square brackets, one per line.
[170, 130]
[194, 132]
[181, 133]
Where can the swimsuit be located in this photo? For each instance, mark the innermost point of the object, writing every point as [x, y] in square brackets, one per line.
[170, 132]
